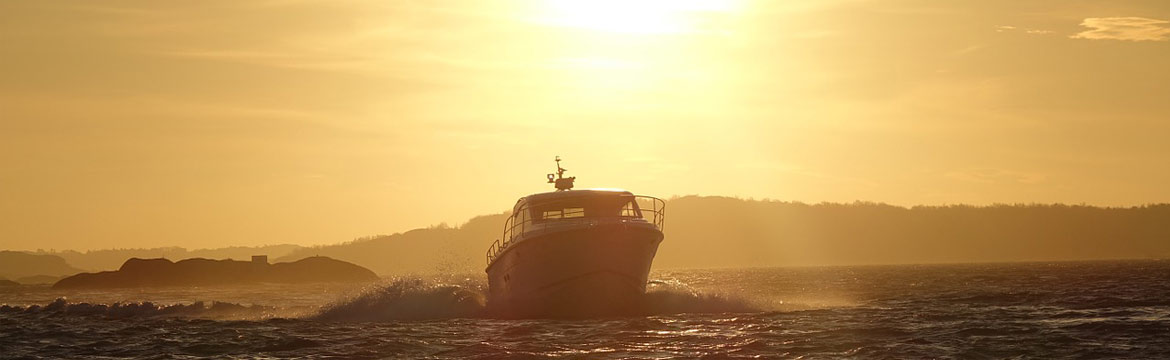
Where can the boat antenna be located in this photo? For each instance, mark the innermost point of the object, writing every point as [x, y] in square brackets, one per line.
[559, 180]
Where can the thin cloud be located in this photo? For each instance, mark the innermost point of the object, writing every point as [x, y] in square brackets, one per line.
[1124, 28]
[1010, 28]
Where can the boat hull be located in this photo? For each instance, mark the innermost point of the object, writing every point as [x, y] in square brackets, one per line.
[588, 271]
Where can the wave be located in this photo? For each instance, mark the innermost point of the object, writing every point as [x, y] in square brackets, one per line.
[122, 310]
[397, 299]
[665, 297]
[422, 299]
[408, 299]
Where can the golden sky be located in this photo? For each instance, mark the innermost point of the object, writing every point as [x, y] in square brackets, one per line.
[215, 123]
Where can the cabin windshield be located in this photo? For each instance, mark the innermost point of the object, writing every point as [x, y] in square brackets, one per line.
[586, 207]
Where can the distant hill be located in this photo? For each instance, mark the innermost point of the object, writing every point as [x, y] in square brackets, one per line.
[723, 232]
[204, 272]
[110, 259]
[433, 250]
[16, 264]
[730, 232]
[709, 231]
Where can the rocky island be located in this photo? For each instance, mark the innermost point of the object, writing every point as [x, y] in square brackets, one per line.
[206, 272]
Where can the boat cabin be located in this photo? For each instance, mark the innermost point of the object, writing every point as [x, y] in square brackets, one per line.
[565, 208]
[551, 210]
[553, 206]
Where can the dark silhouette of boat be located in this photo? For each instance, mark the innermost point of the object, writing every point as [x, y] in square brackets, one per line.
[574, 253]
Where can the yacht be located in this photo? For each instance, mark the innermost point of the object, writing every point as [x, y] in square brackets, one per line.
[574, 253]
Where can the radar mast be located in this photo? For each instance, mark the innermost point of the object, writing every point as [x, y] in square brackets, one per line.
[559, 180]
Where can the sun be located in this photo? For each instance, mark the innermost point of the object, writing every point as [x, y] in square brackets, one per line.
[633, 16]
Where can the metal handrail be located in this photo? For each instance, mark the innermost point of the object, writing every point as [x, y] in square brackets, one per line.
[657, 209]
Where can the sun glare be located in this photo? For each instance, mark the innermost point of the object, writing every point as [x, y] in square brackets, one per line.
[634, 17]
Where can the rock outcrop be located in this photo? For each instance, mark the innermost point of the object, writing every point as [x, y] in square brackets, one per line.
[205, 272]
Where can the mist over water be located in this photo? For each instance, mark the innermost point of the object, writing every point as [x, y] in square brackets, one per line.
[1093, 309]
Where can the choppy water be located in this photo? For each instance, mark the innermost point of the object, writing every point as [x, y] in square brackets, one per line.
[1035, 310]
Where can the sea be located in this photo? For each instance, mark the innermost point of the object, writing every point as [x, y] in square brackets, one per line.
[1043, 310]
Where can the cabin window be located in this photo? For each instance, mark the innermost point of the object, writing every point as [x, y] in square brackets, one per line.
[629, 210]
[564, 213]
[587, 207]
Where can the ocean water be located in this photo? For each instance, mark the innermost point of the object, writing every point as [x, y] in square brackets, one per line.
[1118, 309]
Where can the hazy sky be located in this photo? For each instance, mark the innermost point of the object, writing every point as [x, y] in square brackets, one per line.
[213, 123]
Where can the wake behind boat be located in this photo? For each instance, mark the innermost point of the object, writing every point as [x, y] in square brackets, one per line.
[574, 253]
